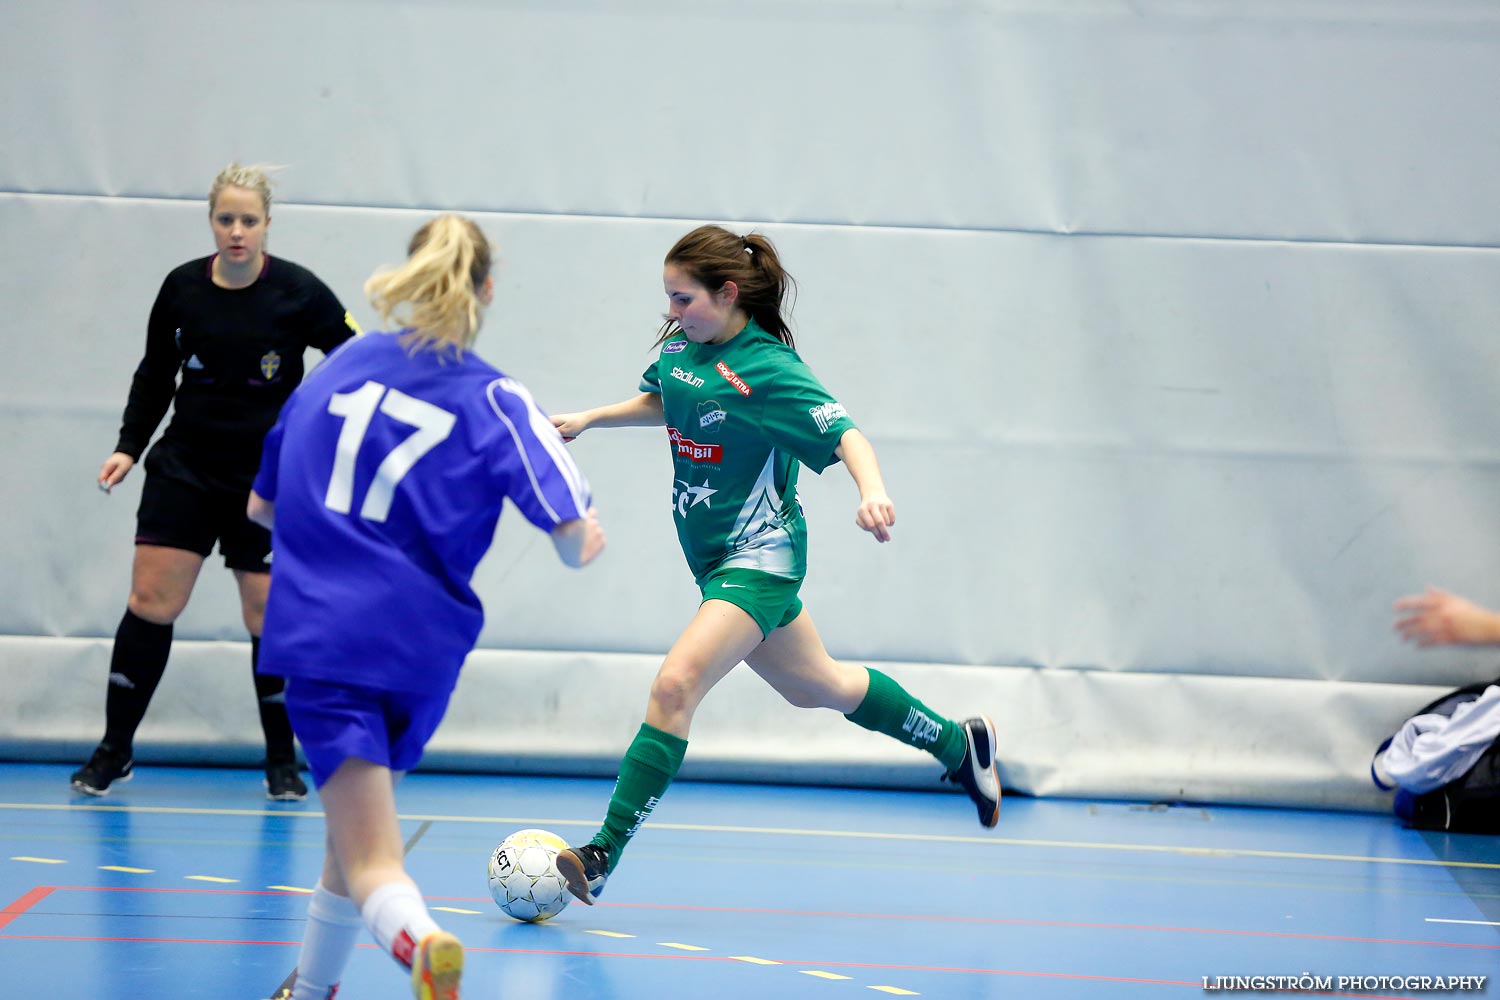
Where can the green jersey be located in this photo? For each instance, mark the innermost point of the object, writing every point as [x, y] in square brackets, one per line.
[741, 417]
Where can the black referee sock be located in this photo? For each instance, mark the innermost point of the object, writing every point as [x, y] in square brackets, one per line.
[135, 668]
[270, 695]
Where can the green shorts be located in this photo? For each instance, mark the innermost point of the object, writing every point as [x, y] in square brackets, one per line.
[771, 600]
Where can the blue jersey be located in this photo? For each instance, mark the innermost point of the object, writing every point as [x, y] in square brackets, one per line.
[388, 471]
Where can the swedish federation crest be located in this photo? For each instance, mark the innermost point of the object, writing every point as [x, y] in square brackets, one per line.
[270, 364]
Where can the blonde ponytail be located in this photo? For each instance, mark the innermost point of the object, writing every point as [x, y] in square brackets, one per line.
[438, 286]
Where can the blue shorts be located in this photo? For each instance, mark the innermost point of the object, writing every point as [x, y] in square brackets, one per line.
[334, 722]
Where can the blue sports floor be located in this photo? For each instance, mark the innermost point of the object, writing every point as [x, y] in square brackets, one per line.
[187, 884]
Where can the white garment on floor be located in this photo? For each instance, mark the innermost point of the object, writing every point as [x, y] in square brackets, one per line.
[1432, 750]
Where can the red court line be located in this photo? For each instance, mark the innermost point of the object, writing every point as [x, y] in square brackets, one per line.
[142, 888]
[141, 940]
[7, 915]
[1019, 973]
[25, 903]
[1018, 922]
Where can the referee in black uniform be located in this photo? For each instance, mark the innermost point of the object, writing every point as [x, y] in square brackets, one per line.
[232, 327]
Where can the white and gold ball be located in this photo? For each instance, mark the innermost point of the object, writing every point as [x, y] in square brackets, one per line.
[523, 876]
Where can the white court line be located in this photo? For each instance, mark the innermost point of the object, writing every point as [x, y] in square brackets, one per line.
[1482, 923]
[1212, 852]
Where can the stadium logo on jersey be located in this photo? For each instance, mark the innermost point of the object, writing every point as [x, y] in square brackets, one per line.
[825, 415]
[674, 347]
[695, 451]
[685, 495]
[732, 378]
[270, 363]
[682, 375]
[710, 416]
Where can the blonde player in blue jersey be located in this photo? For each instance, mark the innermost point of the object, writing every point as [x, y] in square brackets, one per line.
[743, 413]
[383, 482]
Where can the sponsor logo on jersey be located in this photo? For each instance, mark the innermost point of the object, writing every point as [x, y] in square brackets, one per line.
[685, 495]
[270, 363]
[674, 347]
[732, 378]
[710, 416]
[683, 375]
[825, 415]
[696, 451]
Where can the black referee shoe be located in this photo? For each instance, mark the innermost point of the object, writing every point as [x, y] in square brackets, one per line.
[105, 767]
[284, 784]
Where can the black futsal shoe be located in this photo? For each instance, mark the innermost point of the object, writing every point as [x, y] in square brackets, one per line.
[106, 767]
[977, 773]
[584, 869]
[284, 784]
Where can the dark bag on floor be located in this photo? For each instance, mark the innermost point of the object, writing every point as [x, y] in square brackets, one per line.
[1469, 803]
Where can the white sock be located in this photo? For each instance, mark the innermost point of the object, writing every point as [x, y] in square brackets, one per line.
[333, 925]
[399, 919]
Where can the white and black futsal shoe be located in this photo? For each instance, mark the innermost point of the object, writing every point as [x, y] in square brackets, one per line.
[977, 774]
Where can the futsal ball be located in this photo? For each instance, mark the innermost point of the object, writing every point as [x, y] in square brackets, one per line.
[523, 876]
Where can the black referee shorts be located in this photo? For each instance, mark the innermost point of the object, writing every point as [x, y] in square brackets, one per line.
[184, 515]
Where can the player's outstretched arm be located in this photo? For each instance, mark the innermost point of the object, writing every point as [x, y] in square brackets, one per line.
[1438, 618]
[578, 541]
[643, 410]
[876, 513]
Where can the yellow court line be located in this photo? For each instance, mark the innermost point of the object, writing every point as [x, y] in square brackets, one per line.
[39, 861]
[122, 868]
[454, 909]
[898, 991]
[290, 888]
[1216, 852]
[822, 975]
[683, 947]
[753, 960]
[610, 934]
[211, 878]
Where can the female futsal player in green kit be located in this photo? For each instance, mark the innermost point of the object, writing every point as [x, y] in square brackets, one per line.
[742, 413]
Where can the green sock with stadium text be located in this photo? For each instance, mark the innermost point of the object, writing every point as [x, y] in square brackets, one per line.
[645, 772]
[888, 709]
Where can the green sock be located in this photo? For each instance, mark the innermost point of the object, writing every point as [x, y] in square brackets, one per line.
[888, 709]
[645, 772]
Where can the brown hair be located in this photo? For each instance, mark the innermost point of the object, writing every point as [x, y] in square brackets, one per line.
[712, 255]
[448, 261]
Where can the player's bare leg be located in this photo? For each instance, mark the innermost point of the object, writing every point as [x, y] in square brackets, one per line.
[718, 638]
[794, 662]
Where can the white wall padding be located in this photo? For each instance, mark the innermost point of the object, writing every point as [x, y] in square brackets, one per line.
[1361, 120]
[1172, 322]
[1062, 732]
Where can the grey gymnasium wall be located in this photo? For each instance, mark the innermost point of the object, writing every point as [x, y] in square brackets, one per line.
[1173, 323]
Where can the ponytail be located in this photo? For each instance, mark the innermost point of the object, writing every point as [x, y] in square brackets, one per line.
[447, 264]
[712, 255]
